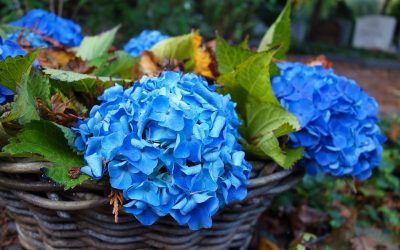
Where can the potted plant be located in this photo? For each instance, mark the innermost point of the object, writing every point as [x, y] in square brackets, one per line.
[186, 141]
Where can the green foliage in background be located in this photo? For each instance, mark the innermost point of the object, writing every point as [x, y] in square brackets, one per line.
[232, 19]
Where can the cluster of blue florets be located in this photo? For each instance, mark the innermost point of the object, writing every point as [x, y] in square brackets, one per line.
[144, 41]
[170, 143]
[8, 48]
[62, 30]
[338, 119]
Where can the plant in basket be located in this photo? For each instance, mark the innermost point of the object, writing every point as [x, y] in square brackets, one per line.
[178, 134]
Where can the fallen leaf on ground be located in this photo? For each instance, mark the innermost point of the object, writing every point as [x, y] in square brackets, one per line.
[363, 243]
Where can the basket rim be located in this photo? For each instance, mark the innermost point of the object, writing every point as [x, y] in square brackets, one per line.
[270, 184]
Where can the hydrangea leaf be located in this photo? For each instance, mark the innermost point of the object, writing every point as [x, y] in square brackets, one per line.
[46, 140]
[178, 47]
[37, 86]
[68, 134]
[25, 105]
[264, 124]
[4, 135]
[118, 64]
[229, 56]
[278, 34]
[79, 82]
[96, 46]
[250, 81]
[13, 69]
[6, 29]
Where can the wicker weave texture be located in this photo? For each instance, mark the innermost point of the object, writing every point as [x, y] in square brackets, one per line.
[48, 217]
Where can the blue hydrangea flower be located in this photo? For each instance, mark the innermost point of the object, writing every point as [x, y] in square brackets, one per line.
[35, 40]
[8, 48]
[144, 41]
[62, 30]
[170, 144]
[338, 119]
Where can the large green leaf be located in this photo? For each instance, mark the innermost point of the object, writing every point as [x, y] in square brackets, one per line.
[118, 64]
[45, 139]
[229, 56]
[13, 69]
[79, 82]
[264, 124]
[25, 107]
[96, 46]
[37, 86]
[179, 47]
[250, 81]
[6, 29]
[278, 34]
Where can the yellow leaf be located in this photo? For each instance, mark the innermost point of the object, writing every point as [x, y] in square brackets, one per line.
[202, 57]
[267, 245]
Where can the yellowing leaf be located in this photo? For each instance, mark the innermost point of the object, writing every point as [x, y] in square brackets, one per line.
[179, 47]
[96, 46]
[202, 58]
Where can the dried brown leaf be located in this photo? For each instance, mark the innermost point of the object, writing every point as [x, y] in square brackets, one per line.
[74, 172]
[148, 64]
[394, 131]
[320, 60]
[363, 243]
[58, 112]
[116, 200]
[267, 245]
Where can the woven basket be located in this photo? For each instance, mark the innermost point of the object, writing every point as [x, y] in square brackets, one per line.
[47, 217]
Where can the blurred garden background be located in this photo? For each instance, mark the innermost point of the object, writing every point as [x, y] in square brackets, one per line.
[323, 212]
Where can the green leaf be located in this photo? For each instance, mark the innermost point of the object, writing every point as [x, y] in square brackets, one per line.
[68, 134]
[119, 64]
[245, 43]
[178, 47]
[278, 34]
[274, 70]
[250, 82]
[25, 106]
[79, 82]
[229, 56]
[96, 46]
[264, 124]
[37, 86]
[13, 69]
[6, 29]
[45, 139]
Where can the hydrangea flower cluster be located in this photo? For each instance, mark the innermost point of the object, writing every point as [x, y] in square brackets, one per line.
[338, 119]
[35, 40]
[8, 48]
[144, 41]
[60, 29]
[170, 143]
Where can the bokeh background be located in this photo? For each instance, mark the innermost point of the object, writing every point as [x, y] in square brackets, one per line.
[317, 21]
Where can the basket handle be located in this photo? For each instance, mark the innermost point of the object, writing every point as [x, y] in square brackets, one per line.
[60, 205]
